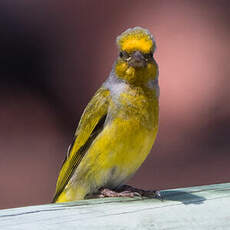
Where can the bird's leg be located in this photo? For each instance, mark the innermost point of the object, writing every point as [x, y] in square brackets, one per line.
[126, 191]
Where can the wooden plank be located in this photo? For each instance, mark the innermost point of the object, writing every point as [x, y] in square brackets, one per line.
[204, 207]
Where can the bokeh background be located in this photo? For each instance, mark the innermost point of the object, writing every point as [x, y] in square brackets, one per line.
[55, 54]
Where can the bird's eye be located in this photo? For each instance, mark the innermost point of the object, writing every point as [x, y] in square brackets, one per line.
[124, 55]
[149, 55]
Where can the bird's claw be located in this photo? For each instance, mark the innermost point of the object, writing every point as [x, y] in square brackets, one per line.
[126, 191]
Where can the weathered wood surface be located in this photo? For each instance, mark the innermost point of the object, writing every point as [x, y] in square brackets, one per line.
[204, 207]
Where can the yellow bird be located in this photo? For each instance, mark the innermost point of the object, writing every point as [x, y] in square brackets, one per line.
[119, 125]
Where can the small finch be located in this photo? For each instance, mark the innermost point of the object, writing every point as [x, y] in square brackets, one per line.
[118, 127]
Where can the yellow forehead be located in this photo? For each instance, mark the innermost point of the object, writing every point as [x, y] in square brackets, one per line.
[136, 39]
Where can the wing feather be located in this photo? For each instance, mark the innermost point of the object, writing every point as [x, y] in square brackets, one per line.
[89, 127]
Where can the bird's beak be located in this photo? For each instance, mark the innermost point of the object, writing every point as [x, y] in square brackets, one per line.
[137, 59]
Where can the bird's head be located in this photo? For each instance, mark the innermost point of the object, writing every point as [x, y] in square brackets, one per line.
[135, 63]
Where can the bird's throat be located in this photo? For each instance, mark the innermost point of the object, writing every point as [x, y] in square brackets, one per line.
[136, 76]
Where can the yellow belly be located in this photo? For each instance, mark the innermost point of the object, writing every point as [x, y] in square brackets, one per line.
[118, 152]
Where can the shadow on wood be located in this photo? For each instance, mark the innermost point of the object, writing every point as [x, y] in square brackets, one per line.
[183, 197]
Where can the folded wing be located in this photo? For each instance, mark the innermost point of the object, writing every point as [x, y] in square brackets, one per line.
[90, 125]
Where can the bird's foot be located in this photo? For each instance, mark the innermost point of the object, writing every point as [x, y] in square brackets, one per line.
[140, 192]
[126, 191]
[105, 192]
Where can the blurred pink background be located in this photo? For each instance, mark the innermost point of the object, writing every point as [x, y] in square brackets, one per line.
[55, 54]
